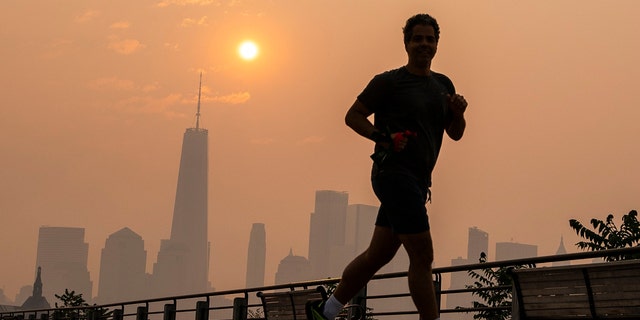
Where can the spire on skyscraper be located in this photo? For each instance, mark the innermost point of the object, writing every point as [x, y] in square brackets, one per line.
[561, 250]
[198, 110]
[37, 285]
[36, 300]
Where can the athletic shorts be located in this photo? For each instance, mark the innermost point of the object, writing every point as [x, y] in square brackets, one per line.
[402, 203]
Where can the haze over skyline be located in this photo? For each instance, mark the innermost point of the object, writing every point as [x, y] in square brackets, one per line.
[96, 96]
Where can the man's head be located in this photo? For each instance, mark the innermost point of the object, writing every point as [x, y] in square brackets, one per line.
[420, 19]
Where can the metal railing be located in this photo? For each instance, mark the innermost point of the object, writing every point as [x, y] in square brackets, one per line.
[240, 304]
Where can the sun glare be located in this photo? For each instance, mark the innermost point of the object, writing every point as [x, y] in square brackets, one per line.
[248, 50]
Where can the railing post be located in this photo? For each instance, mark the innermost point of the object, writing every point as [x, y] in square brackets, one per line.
[169, 311]
[117, 314]
[359, 300]
[202, 310]
[515, 304]
[437, 287]
[44, 316]
[142, 313]
[92, 314]
[240, 308]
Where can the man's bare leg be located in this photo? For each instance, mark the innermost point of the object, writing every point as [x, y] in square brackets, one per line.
[383, 247]
[420, 250]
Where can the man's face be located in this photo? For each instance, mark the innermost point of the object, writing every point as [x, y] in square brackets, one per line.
[422, 46]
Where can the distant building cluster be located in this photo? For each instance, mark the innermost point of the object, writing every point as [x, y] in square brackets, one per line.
[477, 244]
[338, 231]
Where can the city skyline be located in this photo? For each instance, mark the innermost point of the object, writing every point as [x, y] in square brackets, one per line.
[97, 94]
[128, 263]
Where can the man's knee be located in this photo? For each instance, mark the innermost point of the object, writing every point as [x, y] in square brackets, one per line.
[424, 261]
[419, 248]
[383, 247]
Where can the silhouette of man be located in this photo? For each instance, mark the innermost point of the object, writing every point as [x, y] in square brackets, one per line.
[413, 107]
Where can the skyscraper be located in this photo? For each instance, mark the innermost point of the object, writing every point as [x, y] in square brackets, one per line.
[327, 233]
[477, 244]
[293, 269]
[183, 259]
[256, 256]
[361, 220]
[514, 250]
[62, 255]
[122, 267]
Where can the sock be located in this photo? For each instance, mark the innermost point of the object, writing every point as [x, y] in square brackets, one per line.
[332, 307]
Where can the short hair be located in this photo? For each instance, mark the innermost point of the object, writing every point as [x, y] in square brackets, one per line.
[420, 19]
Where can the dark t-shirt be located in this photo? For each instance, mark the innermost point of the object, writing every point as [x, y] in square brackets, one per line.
[403, 101]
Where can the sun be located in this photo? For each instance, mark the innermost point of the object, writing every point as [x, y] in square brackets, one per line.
[248, 50]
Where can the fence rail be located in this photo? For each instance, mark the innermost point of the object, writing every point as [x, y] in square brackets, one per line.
[223, 305]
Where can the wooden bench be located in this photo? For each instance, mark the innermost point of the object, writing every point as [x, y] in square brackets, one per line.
[289, 305]
[608, 290]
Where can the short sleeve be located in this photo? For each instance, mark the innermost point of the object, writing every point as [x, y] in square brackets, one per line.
[375, 93]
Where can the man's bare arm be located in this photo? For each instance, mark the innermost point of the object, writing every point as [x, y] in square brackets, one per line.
[457, 106]
[357, 118]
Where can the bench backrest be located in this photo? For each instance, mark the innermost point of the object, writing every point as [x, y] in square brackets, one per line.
[289, 305]
[592, 291]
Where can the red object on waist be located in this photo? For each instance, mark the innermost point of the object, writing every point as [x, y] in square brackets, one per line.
[401, 135]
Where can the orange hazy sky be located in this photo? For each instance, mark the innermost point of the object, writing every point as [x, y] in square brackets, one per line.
[97, 94]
